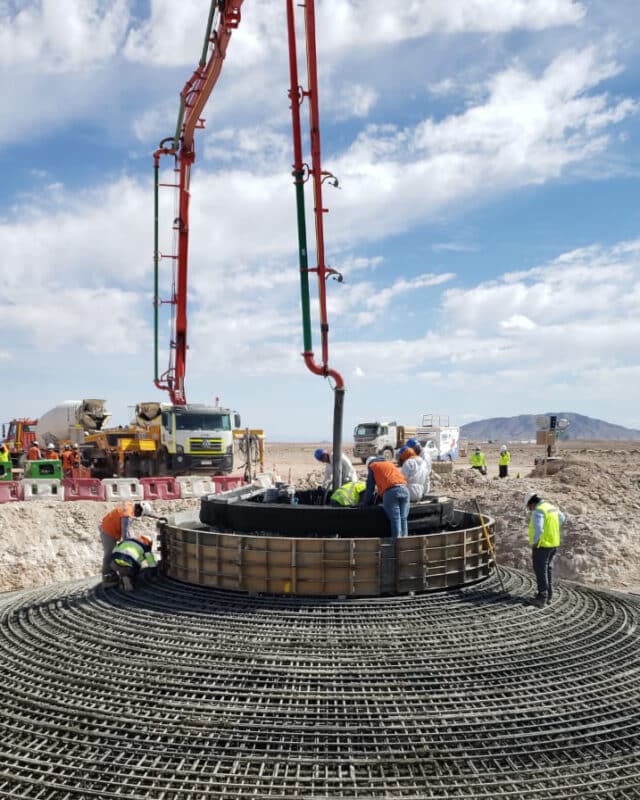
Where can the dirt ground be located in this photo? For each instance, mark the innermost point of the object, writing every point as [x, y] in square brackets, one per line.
[597, 484]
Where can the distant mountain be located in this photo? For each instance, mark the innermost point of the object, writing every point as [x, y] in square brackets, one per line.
[523, 427]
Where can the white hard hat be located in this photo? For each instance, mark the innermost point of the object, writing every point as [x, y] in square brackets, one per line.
[369, 460]
[50, 447]
[503, 449]
[531, 496]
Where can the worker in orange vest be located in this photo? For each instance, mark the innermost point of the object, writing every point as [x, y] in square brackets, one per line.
[33, 454]
[391, 485]
[114, 528]
[75, 456]
[52, 453]
[67, 461]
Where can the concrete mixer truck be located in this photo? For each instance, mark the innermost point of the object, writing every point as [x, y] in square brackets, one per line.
[165, 439]
[71, 421]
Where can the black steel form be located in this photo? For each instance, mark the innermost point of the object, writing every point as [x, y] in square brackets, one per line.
[183, 693]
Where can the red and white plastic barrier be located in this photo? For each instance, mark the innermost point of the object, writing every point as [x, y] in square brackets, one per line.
[164, 488]
[83, 489]
[11, 491]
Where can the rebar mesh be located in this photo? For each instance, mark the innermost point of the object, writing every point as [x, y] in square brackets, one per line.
[183, 693]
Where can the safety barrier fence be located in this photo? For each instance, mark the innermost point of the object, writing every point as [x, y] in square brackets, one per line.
[117, 489]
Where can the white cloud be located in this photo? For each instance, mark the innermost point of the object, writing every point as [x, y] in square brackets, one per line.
[61, 35]
[391, 23]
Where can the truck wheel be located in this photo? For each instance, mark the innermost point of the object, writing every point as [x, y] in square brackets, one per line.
[387, 454]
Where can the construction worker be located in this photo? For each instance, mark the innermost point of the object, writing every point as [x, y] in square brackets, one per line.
[33, 453]
[414, 470]
[545, 522]
[424, 454]
[4, 454]
[127, 557]
[75, 457]
[114, 528]
[391, 485]
[52, 453]
[503, 461]
[349, 494]
[478, 461]
[347, 472]
[67, 461]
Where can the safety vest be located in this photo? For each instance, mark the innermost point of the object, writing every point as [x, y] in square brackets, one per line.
[53, 455]
[478, 460]
[349, 494]
[4, 455]
[386, 475]
[504, 459]
[67, 459]
[33, 454]
[111, 523]
[135, 550]
[551, 529]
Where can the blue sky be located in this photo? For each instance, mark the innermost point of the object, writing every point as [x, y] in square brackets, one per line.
[487, 222]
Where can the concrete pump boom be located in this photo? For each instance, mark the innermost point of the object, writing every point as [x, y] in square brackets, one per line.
[224, 18]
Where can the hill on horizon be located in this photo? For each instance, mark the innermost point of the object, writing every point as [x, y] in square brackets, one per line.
[524, 427]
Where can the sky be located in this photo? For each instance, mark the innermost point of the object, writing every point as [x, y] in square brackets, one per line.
[486, 222]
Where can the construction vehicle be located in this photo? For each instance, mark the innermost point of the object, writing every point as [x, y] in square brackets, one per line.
[165, 439]
[438, 437]
[18, 435]
[70, 422]
[380, 439]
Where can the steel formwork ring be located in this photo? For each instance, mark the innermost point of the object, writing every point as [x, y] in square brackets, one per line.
[180, 692]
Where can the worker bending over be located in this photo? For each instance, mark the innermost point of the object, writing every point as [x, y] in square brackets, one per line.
[347, 472]
[127, 558]
[349, 494]
[391, 485]
[115, 527]
[478, 461]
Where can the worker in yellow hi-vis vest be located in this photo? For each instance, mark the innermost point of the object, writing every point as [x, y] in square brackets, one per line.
[478, 461]
[545, 522]
[503, 462]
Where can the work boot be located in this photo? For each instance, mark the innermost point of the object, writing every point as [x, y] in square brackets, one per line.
[109, 581]
[127, 584]
[539, 601]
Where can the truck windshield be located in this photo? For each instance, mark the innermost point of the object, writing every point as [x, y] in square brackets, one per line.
[203, 422]
[367, 430]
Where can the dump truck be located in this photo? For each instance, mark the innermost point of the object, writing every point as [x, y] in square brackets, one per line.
[380, 438]
[71, 421]
[18, 435]
[165, 439]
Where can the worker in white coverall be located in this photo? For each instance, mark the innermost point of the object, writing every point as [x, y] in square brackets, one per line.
[425, 455]
[415, 471]
[347, 472]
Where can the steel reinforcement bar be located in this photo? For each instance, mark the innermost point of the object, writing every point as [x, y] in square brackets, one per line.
[178, 692]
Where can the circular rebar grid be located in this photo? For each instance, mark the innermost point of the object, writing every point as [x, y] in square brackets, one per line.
[177, 692]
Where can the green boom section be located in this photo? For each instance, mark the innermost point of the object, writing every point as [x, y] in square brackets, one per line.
[304, 263]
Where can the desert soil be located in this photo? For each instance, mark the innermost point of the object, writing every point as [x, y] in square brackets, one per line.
[597, 486]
